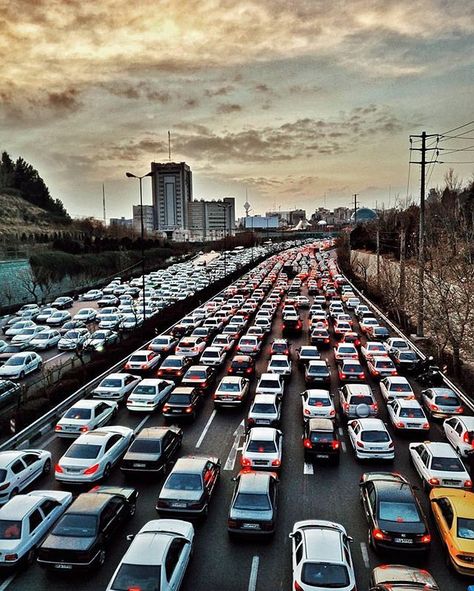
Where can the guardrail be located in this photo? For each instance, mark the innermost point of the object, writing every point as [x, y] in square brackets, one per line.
[467, 401]
[44, 424]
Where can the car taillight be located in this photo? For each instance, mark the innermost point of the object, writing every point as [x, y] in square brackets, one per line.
[11, 557]
[335, 444]
[359, 444]
[249, 370]
[59, 428]
[297, 587]
[390, 445]
[468, 484]
[332, 413]
[425, 426]
[84, 429]
[375, 372]
[426, 539]
[467, 438]
[307, 411]
[374, 407]
[276, 463]
[58, 469]
[346, 406]
[434, 481]
[166, 408]
[326, 340]
[307, 443]
[378, 534]
[92, 470]
[460, 410]
[4, 486]
[160, 372]
[342, 376]
[433, 407]
[394, 372]
[245, 462]
[188, 409]
[231, 523]
[400, 425]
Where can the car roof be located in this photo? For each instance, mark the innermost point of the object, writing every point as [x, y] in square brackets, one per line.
[6, 457]
[371, 424]
[192, 464]
[397, 380]
[87, 403]
[390, 489]
[408, 402]
[440, 449]
[321, 425]
[152, 433]
[265, 398]
[254, 482]
[323, 544]
[19, 506]
[358, 389]
[279, 357]
[90, 502]
[232, 379]
[270, 376]
[462, 500]
[118, 375]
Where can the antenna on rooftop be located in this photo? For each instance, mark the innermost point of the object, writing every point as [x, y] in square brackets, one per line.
[169, 146]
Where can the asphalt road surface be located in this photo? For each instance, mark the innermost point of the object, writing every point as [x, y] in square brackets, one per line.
[307, 491]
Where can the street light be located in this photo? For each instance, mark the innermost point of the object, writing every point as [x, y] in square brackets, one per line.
[225, 206]
[142, 235]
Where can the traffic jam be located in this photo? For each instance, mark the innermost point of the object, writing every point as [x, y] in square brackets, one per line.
[279, 436]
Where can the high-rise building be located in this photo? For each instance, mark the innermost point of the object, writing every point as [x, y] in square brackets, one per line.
[172, 190]
[148, 218]
[209, 220]
[120, 222]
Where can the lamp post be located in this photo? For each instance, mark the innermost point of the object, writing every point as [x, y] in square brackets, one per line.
[142, 235]
[225, 206]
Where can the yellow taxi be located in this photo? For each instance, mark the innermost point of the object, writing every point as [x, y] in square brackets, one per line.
[453, 511]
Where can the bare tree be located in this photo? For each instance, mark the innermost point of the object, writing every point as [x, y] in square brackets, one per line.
[30, 283]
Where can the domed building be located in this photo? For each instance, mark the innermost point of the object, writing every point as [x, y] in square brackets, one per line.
[364, 214]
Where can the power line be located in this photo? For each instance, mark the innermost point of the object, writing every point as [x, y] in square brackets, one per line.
[456, 128]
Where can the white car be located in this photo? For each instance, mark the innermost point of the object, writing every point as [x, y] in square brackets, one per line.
[163, 344]
[84, 416]
[321, 557]
[397, 343]
[21, 364]
[157, 558]
[57, 318]
[91, 295]
[270, 383]
[212, 356]
[110, 321]
[115, 386]
[131, 321]
[264, 411]
[92, 456]
[149, 395]
[231, 391]
[27, 334]
[396, 387]
[17, 327]
[459, 432]
[365, 323]
[439, 465]
[20, 468]
[24, 522]
[317, 404]
[143, 360]
[263, 449]
[370, 439]
[280, 364]
[345, 351]
[224, 341]
[45, 340]
[73, 339]
[100, 339]
[381, 366]
[264, 323]
[372, 348]
[249, 345]
[190, 346]
[406, 414]
[86, 315]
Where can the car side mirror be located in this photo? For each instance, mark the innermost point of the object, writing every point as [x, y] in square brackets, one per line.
[234, 479]
[350, 539]
[130, 537]
[435, 501]
[291, 536]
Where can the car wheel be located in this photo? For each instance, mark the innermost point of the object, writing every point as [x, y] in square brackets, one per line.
[101, 558]
[370, 540]
[47, 467]
[22, 375]
[40, 365]
[14, 492]
[106, 473]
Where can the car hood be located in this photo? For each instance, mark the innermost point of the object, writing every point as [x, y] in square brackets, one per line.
[53, 542]
[180, 495]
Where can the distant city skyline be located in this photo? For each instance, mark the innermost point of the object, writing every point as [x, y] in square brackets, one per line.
[299, 104]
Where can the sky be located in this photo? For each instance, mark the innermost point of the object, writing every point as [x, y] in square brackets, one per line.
[299, 103]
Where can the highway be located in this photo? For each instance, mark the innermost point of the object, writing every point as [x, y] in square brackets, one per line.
[306, 491]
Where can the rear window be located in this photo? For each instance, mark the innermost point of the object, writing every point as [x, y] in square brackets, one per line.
[352, 368]
[261, 408]
[411, 413]
[374, 436]
[10, 530]
[407, 356]
[196, 375]
[279, 363]
[78, 413]
[315, 369]
[144, 390]
[447, 401]
[325, 575]
[398, 512]
[110, 383]
[448, 464]
[146, 446]
[138, 358]
[138, 577]
[179, 399]
[229, 387]
[182, 481]
[386, 364]
[261, 446]
[172, 363]
[321, 436]
[400, 388]
[252, 502]
[81, 451]
[269, 384]
[315, 401]
[76, 525]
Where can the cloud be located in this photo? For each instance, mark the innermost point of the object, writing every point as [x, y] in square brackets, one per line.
[229, 108]
[221, 91]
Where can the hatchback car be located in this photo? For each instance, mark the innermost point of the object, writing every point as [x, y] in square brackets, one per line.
[370, 439]
[317, 404]
[18, 469]
[357, 401]
[157, 558]
[189, 487]
[321, 441]
[73, 339]
[263, 449]
[21, 364]
[395, 518]
[190, 346]
[241, 365]
[321, 557]
[441, 403]
[152, 452]
[253, 508]
[439, 465]
[84, 416]
[45, 340]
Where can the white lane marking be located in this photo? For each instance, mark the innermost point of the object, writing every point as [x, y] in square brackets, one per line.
[308, 468]
[206, 428]
[7, 582]
[54, 357]
[139, 427]
[365, 554]
[253, 574]
[343, 445]
[341, 431]
[230, 462]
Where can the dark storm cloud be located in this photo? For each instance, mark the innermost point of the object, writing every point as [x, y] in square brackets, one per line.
[226, 108]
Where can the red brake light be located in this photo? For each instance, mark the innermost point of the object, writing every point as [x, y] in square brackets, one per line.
[426, 426]
[335, 444]
[245, 462]
[297, 587]
[379, 535]
[400, 425]
[433, 481]
[359, 444]
[58, 469]
[92, 470]
[468, 484]
[276, 463]
[467, 437]
[426, 539]
[4, 486]
[59, 428]
[84, 429]
[307, 443]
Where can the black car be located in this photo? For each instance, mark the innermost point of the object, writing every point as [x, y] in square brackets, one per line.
[396, 520]
[320, 337]
[405, 361]
[173, 367]
[9, 392]
[62, 303]
[79, 538]
[292, 324]
[201, 377]
[183, 403]
[153, 451]
[320, 441]
[241, 365]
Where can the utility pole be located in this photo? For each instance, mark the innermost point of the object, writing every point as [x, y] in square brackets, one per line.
[355, 209]
[378, 258]
[103, 203]
[402, 270]
[421, 232]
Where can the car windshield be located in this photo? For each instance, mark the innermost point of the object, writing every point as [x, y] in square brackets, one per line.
[111, 383]
[43, 336]
[145, 390]
[252, 502]
[180, 399]
[263, 408]
[465, 528]
[263, 447]
[28, 331]
[15, 361]
[10, 530]
[229, 387]
[81, 451]
[319, 401]
[398, 512]
[325, 575]
[447, 401]
[447, 464]
[412, 413]
[145, 446]
[137, 577]
[374, 436]
[78, 413]
[183, 481]
[76, 525]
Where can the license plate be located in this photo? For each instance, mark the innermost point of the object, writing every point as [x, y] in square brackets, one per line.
[403, 540]
[262, 422]
[63, 566]
[227, 398]
[412, 425]
[176, 411]
[250, 526]
[451, 482]
[178, 505]
[138, 465]
[322, 456]
[260, 462]
[73, 470]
